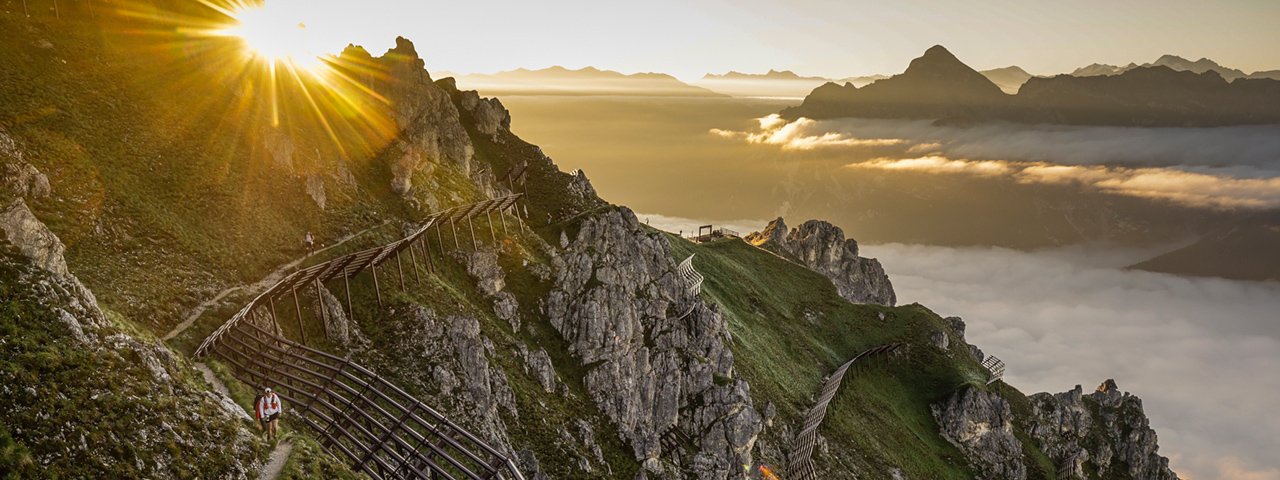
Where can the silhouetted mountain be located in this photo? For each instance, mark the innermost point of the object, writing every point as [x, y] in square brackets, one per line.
[771, 75]
[939, 86]
[861, 80]
[1096, 69]
[1271, 74]
[775, 83]
[935, 85]
[1248, 251]
[1177, 63]
[1009, 79]
[558, 80]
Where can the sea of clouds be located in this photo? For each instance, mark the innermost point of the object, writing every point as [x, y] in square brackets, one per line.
[1228, 167]
[1202, 353]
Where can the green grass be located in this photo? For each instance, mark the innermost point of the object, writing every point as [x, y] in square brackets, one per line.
[791, 329]
[100, 404]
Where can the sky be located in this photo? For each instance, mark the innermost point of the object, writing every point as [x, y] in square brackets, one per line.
[816, 37]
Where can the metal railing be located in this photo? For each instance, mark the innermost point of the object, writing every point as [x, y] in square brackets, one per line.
[995, 366]
[800, 465]
[692, 279]
[379, 428]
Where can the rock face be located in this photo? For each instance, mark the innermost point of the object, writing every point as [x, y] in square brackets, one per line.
[981, 425]
[430, 130]
[461, 381]
[1105, 432]
[656, 354]
[32, 237]
[823, 248]
[488, 114]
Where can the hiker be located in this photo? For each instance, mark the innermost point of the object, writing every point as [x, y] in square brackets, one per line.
[267, 410]
[311, 243]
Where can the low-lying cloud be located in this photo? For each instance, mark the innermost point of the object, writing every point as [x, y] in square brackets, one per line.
[1178, 186]
[1201, 352]
[802, 134]
[1245, 151]
[1229, 167]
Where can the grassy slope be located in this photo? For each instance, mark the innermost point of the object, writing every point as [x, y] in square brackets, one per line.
[791, 329]
[151, 184]
[59, 398]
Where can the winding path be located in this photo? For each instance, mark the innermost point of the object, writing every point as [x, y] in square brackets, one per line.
[376, 426]
[800, 465]
[266, 281]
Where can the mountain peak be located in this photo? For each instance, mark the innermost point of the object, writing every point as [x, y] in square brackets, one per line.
[939, 52]
[937, 59]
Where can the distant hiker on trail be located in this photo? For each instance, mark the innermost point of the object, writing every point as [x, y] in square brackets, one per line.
[310, 241]
[267, 410]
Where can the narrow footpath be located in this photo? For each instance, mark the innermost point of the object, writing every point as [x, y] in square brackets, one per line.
[275, 464]
[280, 455]
[267, 281]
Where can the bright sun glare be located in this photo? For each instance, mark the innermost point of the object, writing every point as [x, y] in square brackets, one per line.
[277, 34]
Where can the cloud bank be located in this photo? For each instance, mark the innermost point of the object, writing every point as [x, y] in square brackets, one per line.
[1202, 353]
[1231, 167]
[1178, 186]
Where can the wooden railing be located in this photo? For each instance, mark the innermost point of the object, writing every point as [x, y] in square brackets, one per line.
[383, 431]
[800, 465]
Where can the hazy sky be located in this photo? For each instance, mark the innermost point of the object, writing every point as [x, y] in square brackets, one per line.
[827, 37]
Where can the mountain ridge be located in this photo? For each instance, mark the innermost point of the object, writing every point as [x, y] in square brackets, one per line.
[589, 80]
[938, 85]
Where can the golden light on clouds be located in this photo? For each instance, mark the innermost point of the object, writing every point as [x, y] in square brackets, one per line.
[914, 153]
[802, 134]
[1178, 186]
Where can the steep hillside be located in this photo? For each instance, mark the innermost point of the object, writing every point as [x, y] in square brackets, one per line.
[179, 186]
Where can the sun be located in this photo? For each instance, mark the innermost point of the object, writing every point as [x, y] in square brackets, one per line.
[275, 33]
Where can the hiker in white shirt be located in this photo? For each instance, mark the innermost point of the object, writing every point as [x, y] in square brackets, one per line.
[310, 243]
[267, 409]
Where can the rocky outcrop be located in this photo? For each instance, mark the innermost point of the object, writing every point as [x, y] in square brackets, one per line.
[656, 355]
[24, 180]
[447, 358]
[980, 424]
[1105, 432]
[430, 128]
[488, 114]
[32, 237]
[823, 248]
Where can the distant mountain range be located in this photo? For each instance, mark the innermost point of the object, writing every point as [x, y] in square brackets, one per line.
[785, 83]
[937, 85]
[1177, 63]
[584, 81]
[775, 83]
[1009, 79]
